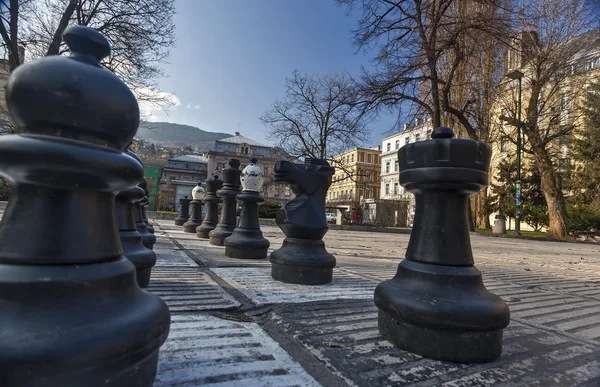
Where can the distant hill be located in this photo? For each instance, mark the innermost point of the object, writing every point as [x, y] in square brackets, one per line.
[176, 135]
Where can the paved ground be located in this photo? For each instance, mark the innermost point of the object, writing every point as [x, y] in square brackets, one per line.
[234, 325]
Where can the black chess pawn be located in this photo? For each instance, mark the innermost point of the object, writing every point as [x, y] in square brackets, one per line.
[247, 240]
[184, 211]
[72, 311]
[145, 217]
[148, 238]
[303, 259]
[195, 218]
[142, 257]
[229, 192]
[437, 305]
[212, 207]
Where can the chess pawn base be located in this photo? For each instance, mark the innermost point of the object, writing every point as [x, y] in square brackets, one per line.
[142, 258]
[465, 328]
[246, 244]
[220, 232]
[195, 218]
[179, 221]
[204, 229]
[139, 322]
[302, 261]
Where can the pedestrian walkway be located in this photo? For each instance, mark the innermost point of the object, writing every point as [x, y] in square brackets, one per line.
[233, 325]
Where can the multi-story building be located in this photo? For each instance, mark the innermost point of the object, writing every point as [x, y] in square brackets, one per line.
[5, 122]
[559, 106]
[179, 176]
[356, 178]
[390, 174]
[244, 149]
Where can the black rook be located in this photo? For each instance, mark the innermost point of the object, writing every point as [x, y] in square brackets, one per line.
[437, 305]
[303, 259]
[72, 311]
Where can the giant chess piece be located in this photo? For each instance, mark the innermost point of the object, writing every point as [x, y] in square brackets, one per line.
[72, 311]
[247, 240]
[303, 259]
[148, 238]
[229, 192]
[145, 217]
[212, 207]
[196, 216]
[142, 257]
[184, 211]
[437, 305]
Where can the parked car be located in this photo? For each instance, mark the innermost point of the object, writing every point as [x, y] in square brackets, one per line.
[331, 217]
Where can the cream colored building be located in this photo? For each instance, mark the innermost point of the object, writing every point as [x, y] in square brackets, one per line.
[390, 188]
[356, 177]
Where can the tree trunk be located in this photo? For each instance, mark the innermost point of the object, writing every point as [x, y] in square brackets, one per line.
[557, 209]
[483, 218]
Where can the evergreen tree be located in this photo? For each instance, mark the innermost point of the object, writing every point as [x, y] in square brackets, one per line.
[502, 198]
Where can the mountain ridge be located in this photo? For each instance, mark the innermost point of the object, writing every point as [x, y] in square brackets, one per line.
[178, 135]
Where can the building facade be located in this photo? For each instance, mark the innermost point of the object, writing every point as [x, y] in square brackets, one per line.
[390, 188]
[179, 176]
[356, 178]
[244, 149]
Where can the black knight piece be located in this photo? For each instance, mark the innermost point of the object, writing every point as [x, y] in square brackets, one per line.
[184, 211]
[229, 192]
[303, 259]
[212, 207]
[72, 311]
[247, 240]
[437, 305]
[195, 218]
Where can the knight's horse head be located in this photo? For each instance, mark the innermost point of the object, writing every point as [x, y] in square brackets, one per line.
[304, 179]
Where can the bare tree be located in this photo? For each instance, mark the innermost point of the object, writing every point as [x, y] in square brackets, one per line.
[437, 57]
[140, 32]
[554, 64]
[319, 116]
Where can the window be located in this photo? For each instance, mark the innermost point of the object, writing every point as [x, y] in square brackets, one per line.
[352, 158]
[565, 101]
[361, 156]
[351, 195]
[396, 188]
[397, 144]
[368, 176]
[387, 189]
[505, 145]
[407, 140]
[396, 166]
[418, 137]
[376, 159]
[388, 146]
[387, 167]
[368, 157]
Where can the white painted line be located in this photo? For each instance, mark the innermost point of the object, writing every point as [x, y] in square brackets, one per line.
[207, 351]
[256, 284]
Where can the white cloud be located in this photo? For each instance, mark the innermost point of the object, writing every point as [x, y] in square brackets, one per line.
[152, 102]
[190, 106]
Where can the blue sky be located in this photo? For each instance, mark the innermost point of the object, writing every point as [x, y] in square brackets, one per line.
[232, 57]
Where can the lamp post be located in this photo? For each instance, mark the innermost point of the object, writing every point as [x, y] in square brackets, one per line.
[516, 74]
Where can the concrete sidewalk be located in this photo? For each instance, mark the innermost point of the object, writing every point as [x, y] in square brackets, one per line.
[233, 325]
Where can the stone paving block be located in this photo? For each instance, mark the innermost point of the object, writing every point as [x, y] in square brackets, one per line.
[207, 351]
[345, 337]
[256, 284]
[189, 290]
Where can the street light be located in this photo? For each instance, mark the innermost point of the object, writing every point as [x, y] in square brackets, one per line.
[516, 74]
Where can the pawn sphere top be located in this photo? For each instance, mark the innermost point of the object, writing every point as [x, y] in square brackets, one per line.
[87, 41]
[74, 97]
